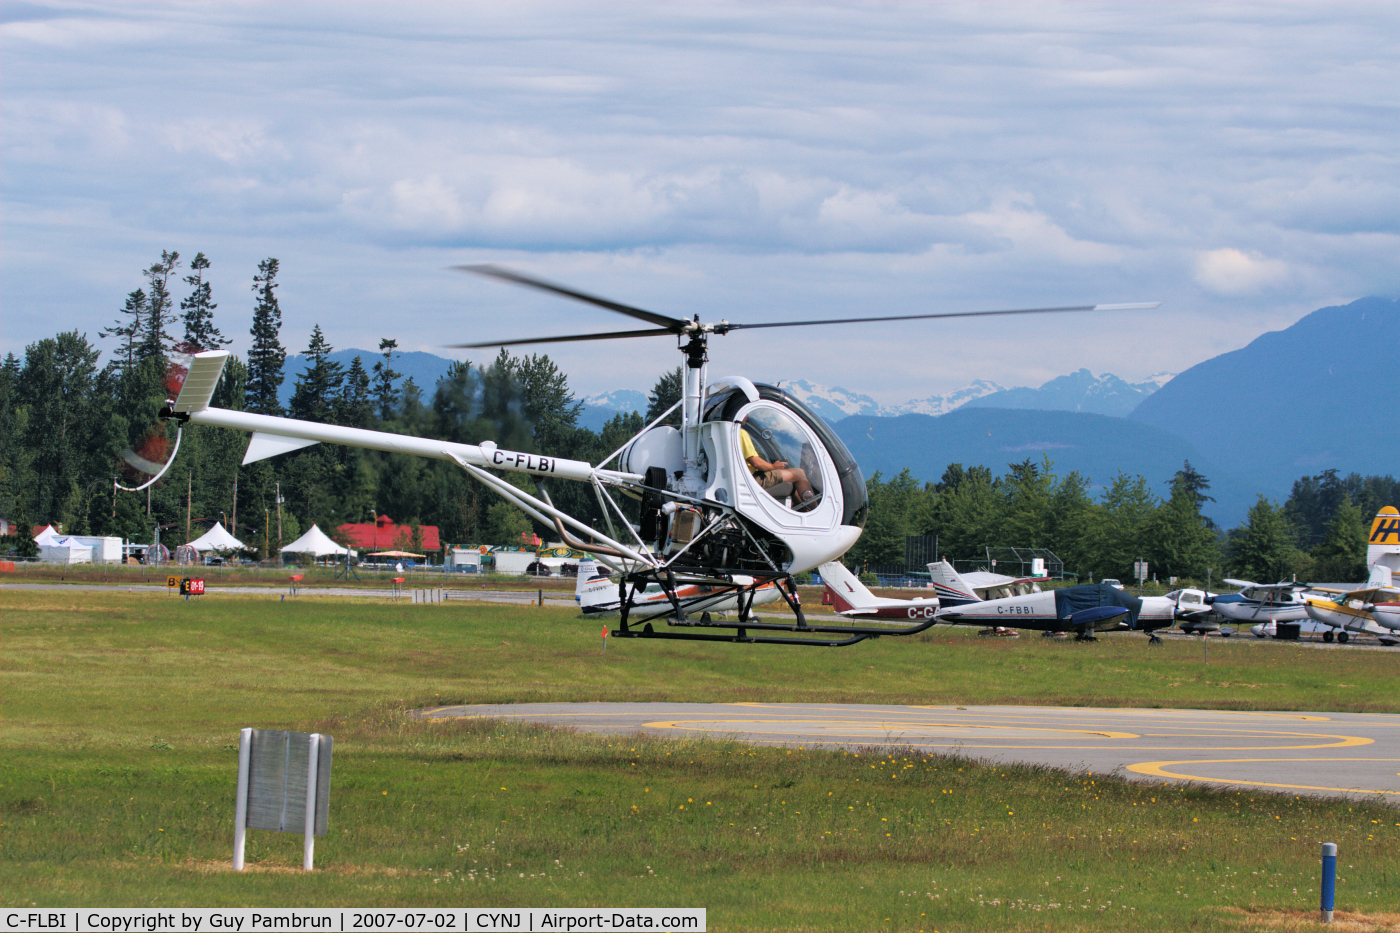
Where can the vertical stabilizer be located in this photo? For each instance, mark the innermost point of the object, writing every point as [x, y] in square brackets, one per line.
[595, 591]
[1383, 547]
[848, 594]
[952, 589]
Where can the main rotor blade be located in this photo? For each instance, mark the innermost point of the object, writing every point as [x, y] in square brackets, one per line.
[568, 338]
[1134, 306]
[674, 325]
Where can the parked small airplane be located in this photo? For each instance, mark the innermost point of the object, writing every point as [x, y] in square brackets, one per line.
[846, 595]
[956, 589]
[1194, 613]
[1083, 610]
[597, 594]
[1263, 605]
[1373, 608]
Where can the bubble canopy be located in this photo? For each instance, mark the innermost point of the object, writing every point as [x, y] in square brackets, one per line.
[726, 405]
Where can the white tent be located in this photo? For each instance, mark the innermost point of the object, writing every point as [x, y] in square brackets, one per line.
[48, 537]
[314, 542]
[217, 539]
[66, 551]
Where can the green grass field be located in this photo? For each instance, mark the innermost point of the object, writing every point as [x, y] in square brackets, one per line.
[120, 714]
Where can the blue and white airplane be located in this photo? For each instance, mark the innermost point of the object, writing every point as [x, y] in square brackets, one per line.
[1084, 610]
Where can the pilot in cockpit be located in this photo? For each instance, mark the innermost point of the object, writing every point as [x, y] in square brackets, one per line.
[773, 475]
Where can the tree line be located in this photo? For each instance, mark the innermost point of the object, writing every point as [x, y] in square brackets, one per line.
[1318, 534]
[70, 428]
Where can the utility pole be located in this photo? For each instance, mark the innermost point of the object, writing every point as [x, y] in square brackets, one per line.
[189, 493]
[278, 487]
[233, 531]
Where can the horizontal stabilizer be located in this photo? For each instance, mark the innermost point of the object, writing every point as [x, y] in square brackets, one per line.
[261, 446]
[200, 381]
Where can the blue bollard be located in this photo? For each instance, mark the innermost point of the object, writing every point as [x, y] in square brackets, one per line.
[1329, 879]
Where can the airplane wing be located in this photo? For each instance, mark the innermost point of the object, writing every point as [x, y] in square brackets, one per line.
[1239, 583]
[1271, 587]
[1370, 594]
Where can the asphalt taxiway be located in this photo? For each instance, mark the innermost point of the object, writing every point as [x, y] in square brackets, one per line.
[1353, 755]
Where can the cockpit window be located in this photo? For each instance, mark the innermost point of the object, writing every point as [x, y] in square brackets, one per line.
[725, 406]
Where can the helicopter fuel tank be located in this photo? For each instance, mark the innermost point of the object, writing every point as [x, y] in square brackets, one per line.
[659, 447]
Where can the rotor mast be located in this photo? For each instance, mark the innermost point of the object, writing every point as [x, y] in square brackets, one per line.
[695, 346]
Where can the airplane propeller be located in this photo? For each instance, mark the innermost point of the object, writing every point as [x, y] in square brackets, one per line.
[669, 326]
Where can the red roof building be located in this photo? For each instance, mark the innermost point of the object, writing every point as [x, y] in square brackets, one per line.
[384, 535]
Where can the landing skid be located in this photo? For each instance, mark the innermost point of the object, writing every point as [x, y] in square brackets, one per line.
[678, 614]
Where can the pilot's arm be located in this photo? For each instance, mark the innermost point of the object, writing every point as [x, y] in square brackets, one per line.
[756, 463]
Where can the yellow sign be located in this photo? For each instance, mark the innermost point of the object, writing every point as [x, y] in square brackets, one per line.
[172, 582]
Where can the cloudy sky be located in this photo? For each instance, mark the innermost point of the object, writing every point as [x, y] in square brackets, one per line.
[753, 162]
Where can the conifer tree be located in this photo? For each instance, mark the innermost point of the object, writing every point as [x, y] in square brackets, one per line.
[1341, 557]
[199, 309]
[352, 407]
[386, 394]
[319, 386]
[129, 331]
[266, 356]
[1262, 549]
[156, 340]
[664, 394]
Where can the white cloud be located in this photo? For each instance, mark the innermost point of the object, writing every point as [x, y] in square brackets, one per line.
[1235, 272]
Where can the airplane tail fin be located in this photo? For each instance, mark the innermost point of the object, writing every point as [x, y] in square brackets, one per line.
[594, 590]
[952, 589]
[846, 592]
[1383, 547]
[1381, 575]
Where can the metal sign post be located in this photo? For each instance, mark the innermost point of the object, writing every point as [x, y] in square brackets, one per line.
[284, 783]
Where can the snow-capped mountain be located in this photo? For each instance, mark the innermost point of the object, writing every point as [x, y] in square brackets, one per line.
[598, 410]
[836, 403]
[620, 400]
[832, 404]
[1081, 391]
[942, 404]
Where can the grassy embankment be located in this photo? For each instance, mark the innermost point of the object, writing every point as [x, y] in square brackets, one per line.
[120, 714]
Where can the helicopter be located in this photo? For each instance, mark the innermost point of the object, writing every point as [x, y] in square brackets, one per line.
[708, 518]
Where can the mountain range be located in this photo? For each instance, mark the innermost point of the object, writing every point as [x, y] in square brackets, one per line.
[1082, 391]
[1292, 403]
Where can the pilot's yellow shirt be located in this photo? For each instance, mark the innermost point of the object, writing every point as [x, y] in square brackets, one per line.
[747, 449]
